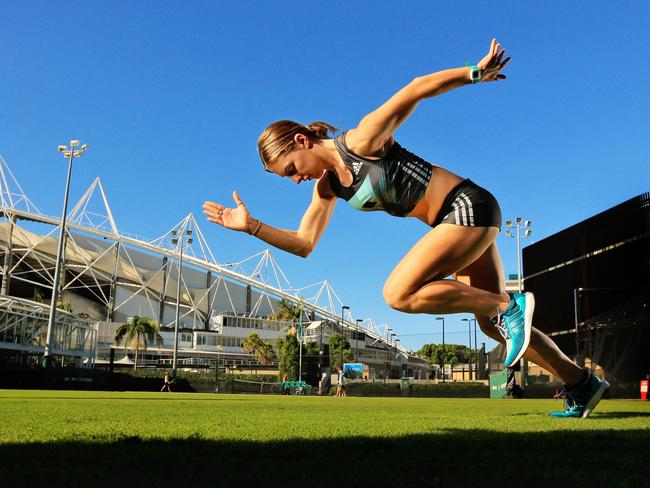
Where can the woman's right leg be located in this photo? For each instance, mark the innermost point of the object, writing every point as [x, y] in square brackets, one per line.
[486, 273]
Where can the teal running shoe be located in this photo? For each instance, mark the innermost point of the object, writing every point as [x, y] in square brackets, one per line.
[580, 400]
[515, 325]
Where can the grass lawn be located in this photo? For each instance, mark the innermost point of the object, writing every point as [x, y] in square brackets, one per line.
[136, 439]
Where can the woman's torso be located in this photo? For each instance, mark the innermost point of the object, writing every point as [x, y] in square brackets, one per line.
[398, 182]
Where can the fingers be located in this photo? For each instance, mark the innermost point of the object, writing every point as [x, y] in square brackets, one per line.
[214, 211]
[215, 220]
[212, 205]
[235, 197]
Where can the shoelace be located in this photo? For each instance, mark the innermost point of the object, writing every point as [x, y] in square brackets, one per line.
[502, 323]
[504, 331]
[498, 323]
[567, 396]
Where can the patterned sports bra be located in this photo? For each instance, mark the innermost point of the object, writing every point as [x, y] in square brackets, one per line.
[394, 183]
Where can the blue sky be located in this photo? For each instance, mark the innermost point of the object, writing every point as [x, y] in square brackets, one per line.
[172, 96]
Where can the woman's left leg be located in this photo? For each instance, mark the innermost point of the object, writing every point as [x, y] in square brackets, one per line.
[487, 273]
[417, 283]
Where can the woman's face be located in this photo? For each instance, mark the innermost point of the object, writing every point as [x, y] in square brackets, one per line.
[299, 164]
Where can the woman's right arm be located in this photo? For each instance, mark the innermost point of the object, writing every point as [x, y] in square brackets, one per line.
[300, 242]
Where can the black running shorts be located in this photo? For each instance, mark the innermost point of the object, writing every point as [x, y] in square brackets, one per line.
[470, 205]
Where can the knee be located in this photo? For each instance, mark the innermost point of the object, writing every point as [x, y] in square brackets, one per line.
[396, 298]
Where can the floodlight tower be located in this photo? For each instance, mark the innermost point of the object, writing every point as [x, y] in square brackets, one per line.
[69, 153]
[185, 238]
[525, 226]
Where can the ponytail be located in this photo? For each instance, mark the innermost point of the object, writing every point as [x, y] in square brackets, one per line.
[321, 130]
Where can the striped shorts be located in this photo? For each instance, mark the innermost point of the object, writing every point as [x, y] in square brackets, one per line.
[470, 205]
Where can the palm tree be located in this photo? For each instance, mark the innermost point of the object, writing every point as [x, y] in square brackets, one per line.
[139, 330]
[262, 350]
[287, 311]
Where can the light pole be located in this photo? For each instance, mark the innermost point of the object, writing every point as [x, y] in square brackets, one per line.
[444, 349]
[300, 334]
[475, 349]
[527, 233]
[399, 362]
[182, 236]
[343, 308]
[69, 153]
[469, 331]
[392, 342]
[356, 346]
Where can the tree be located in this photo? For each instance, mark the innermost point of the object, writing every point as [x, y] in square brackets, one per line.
[65, 306]
[452, 354]
[262, 350]
[287, 311]
[138, 331]
[288, 353]
[340, 351]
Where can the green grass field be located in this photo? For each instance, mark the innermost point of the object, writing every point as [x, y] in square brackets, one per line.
[135, 439]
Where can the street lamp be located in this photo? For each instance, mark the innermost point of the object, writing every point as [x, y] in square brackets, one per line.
[469, 331]
[356, 346]
[185, 237]
[525, 226]
[390, 358]
[69, 153]
[444, 349]
[399, 362]
[343, 309]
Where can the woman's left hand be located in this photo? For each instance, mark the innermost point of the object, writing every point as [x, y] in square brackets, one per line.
[492, 64]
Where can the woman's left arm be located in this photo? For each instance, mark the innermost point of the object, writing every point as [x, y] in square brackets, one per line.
[370, 136]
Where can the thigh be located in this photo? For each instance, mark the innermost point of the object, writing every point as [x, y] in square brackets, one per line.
[445, 250]
[486, 272]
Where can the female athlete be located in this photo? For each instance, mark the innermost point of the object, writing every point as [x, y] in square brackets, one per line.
[455, 267]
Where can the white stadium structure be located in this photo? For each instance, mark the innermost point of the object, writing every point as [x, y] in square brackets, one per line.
[110, 276]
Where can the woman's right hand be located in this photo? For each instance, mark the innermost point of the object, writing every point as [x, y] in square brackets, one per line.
[238, 218]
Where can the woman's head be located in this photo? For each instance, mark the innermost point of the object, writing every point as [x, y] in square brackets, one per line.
[283, 136]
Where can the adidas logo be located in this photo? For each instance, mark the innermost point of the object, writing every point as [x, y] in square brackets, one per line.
[357, 167]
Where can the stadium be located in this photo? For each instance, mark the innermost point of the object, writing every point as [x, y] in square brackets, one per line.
[110, 276]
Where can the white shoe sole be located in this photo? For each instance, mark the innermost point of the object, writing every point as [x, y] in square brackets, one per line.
[528, 326]
[604, 386]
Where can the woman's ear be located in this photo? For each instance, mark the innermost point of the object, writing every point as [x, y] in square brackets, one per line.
[302, 140]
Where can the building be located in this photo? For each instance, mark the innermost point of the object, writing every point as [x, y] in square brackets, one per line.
[592, 288]
[110, 276]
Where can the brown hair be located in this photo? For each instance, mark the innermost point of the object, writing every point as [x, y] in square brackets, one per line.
[277, 138]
